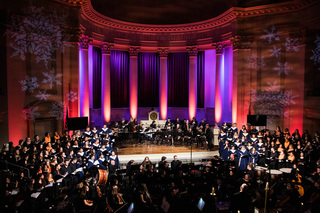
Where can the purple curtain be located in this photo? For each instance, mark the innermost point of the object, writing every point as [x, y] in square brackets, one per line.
[119, 68]
[200, 80]
[178, 79]
[96, 84]
[148, 79]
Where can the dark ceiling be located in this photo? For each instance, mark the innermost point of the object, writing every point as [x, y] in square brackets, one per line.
[169, 11]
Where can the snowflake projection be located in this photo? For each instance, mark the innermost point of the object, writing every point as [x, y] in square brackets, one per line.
[57, 110]
[275, 51]
[282, 68]
[31, 113]
[316, 52]
[72, 96]
[292, 45]
[271, 102]
[29, 84]
[274, 86]
[255, 62]
[38, 32]
[271, 35]
[51, 78]
[42, 95]
[287, 113]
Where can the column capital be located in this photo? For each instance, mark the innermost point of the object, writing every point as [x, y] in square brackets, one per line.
[106, 47]
[241, 42]
[219, 46]
[163, 52]
[134, 50]
[84, 42]
[193, 50]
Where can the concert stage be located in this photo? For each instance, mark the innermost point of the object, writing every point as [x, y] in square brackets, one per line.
[138, 152]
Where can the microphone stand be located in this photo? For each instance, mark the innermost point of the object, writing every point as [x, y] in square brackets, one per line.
[268, 182]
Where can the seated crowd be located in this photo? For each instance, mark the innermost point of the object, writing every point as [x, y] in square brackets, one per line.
[67, 174]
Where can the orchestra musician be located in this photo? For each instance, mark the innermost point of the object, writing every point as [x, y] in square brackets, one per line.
[209, 136]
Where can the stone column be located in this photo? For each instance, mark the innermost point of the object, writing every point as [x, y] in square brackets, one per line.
[219, 74]
[133, 80]
[83, 77]
[105, 81]
[193, 52]
[241, 46]
[163, 82]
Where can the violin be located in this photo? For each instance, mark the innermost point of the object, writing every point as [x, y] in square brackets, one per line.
[99, 191]
[119, 198]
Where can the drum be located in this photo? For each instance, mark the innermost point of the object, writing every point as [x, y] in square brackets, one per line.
[260, 171]
[102, 177]
[274, 174]
[286, 170]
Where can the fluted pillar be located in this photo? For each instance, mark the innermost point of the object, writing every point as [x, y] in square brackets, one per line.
[163, 90]
[105, 81]
[219, 75]
[193, 52]
[133, 81]
[83, 77]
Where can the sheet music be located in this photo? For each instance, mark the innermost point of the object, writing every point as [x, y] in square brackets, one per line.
[35, 195]
[60, 180]
[49, 185]
[77, 170]
[14, 191]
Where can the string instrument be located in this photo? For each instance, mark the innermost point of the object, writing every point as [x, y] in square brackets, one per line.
[298, 186]
[115, 131]
[117, 197]
[88, 202]
[99, 191]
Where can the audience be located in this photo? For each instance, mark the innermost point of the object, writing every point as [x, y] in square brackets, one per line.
[60, 174]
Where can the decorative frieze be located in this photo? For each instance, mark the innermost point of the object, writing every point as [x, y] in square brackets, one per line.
[192, 51]
[219, 46]
[241, 42]
[72, 2]
[106, 47]
[84, 42]
[134, 50]
[163, 52]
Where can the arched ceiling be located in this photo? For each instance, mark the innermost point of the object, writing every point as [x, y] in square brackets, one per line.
[166, 12]
[162, 11]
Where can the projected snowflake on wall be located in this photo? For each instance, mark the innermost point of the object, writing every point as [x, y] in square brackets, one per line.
[51, 78]
[292, 45]
[316, 52]
[57, 110]
[271, 35]
[282, 68]
[37, 32]
[29, 84]
[276, 52]
[255, 62]
[272, 101]
[72, 96]
[31, 113]
[42, 95]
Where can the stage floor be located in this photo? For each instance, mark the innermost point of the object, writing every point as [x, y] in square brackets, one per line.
[138, 152]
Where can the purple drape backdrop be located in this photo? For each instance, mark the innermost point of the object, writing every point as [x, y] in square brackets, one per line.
[148, 79]
[119, 68]
[96, 61]
[200, 80]
[178, 79]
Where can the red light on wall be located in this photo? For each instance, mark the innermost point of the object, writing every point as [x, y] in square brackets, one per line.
[192, 86]
[133, 86]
